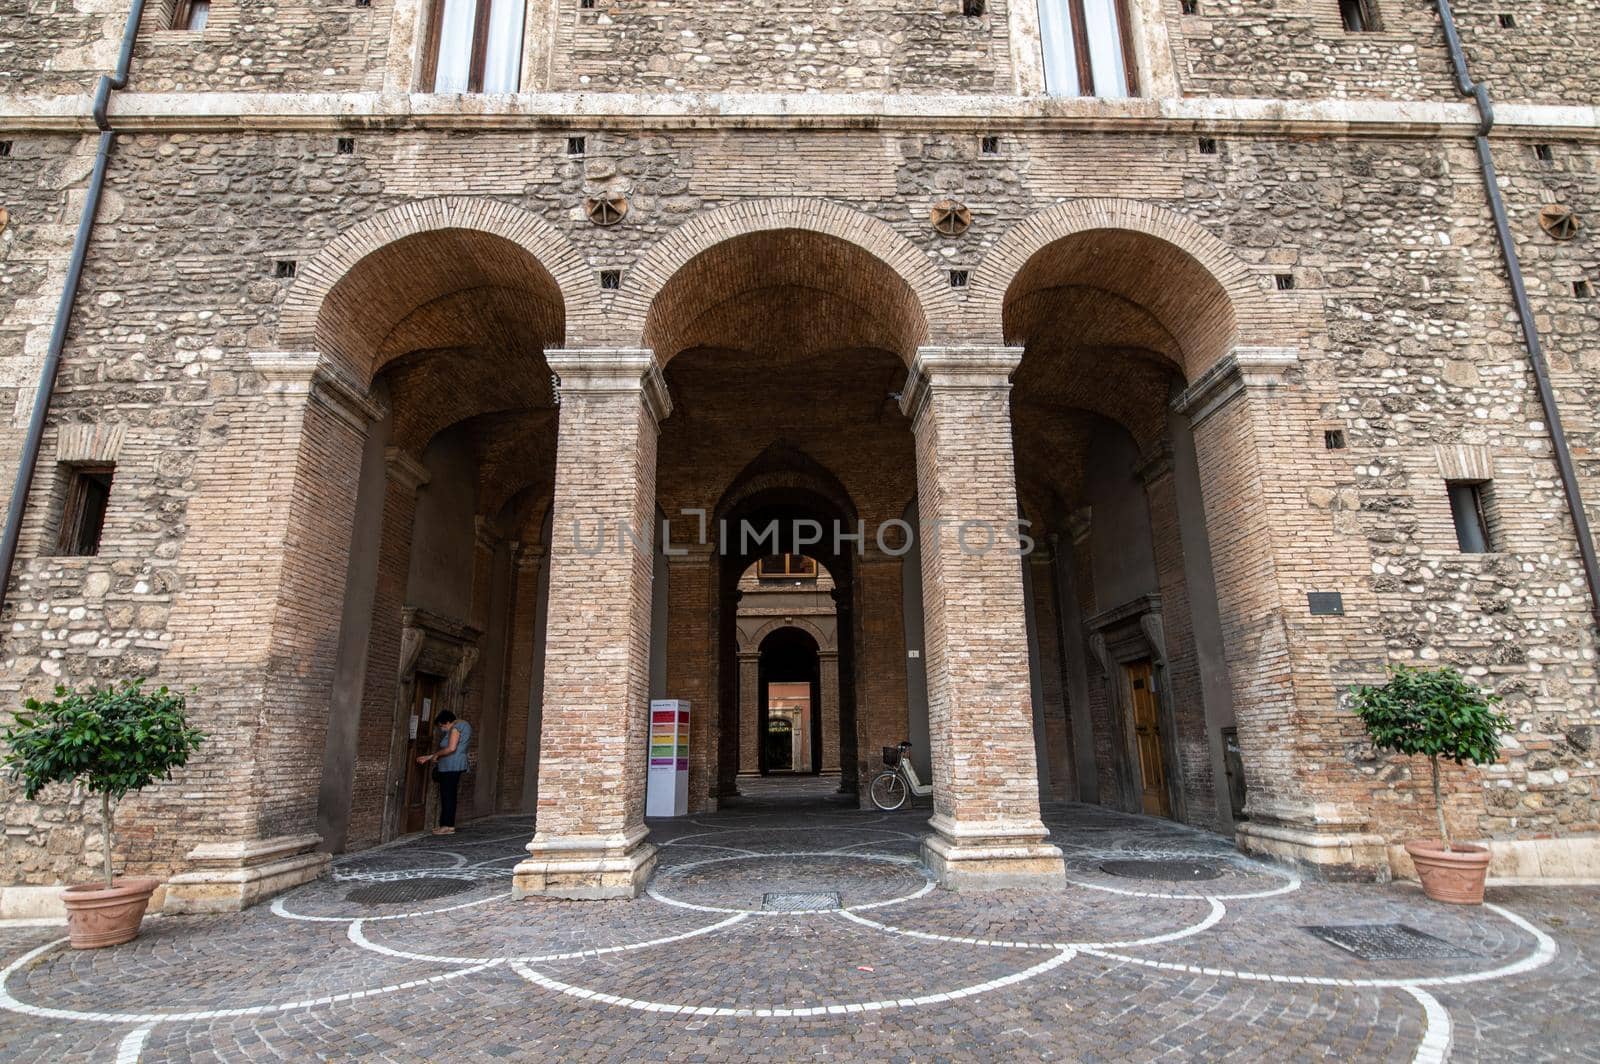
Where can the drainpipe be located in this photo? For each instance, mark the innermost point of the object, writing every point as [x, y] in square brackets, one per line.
[69, 294]
[1479, 91]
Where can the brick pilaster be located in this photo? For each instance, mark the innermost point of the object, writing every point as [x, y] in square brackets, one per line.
[749, 712]
[257, 627]
[980, 712]
[1249, 415]
[828, 681]
[590, 841]
[525, 641]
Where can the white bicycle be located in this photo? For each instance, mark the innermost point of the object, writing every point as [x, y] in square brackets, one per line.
[889, 789]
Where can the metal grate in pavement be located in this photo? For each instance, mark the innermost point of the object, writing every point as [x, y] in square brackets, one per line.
[1167, 869]
[422, 888]
[800, 901]
[1388, 942]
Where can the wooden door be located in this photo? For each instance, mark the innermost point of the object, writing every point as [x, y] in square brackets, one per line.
[1145, 710]
[424, 703]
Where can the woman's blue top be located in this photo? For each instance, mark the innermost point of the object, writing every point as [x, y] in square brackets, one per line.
[456, 762]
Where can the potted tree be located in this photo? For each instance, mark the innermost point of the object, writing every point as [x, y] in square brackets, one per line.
[1439, 713]
[110, 741]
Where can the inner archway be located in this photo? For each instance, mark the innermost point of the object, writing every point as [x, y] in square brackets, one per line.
[784, 351]
[790, 725]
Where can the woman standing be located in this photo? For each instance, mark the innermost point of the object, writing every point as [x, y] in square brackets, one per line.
[449, 762]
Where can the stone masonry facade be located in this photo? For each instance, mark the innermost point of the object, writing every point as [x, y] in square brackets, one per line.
[367, 371]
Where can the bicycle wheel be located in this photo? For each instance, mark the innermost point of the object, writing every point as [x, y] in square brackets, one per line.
[888, 791]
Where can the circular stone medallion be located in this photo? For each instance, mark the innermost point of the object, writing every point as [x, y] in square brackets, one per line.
[1163, 869]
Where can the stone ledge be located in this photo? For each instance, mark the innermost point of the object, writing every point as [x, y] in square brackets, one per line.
[146, 111]
[229, 876]
[1547, 862]
[1331, 855]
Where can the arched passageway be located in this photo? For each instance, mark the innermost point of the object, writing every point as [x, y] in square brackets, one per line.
[445, 595]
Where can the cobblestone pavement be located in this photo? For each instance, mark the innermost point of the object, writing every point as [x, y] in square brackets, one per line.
[416, 952]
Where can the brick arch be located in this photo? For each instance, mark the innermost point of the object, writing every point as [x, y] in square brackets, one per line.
[1235, 311]
[824, 644]
[924, 302]
[303, 318]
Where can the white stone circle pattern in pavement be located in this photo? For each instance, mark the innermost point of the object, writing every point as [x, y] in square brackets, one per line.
[367, 869]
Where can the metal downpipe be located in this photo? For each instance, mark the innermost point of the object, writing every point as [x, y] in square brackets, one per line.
[29, 458]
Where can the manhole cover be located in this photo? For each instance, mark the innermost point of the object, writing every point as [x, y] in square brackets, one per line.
[1388, 942]
[423, 888]
[1166, 869]
[800, 901]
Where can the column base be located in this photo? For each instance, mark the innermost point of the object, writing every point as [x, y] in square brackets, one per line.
[586, 867]
[230, 876]
[982, 857]
[1321, 840]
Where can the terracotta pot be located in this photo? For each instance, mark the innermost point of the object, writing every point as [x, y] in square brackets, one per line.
[1455, 875]
[97, 916]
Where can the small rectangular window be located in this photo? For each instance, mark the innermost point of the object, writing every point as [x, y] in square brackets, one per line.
[1469, 511]
[786, 567]
[191, 15]
[1088, 48]
[1208, 145]
[611, 279]
[83, 514]
[989, 146]
[1284, 281]
[1357, 16]
[5, 149]
[1582, 289]
[577, 145]
[283, 268]
[973, 8]
[474, 46]
[1544, 153]
[958, 278]
[347, 146]
[1508, 21]
[1333, 439]
[1191, 7]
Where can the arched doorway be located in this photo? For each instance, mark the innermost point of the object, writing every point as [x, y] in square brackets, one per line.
[789, 722]
[783, 350]
[444, 597]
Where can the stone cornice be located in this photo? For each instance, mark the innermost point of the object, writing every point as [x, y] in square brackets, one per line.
[613, 371]
[265, 111]
[967, 368]
[1242, 368]
[404, 469]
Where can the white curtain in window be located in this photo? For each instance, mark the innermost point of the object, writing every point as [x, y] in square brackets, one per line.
[502, 67]
[455, 46]
[1105, 48]
[1060, 57]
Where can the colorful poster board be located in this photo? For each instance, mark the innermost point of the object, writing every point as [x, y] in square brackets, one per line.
[667, 782]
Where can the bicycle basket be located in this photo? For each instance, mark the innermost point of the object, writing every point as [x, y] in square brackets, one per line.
[891, 756]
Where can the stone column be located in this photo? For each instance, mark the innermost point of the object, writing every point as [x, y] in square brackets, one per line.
[749, 713]
[690, 671]
[828, 660]
[521, 644]
[1252, 423]
[590, 841]
[986, 789]
[256, 629]
[374, 786]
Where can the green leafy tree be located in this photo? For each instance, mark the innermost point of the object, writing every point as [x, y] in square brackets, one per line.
[111, 740]
[1437, 712]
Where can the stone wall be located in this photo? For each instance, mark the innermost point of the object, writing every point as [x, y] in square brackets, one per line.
[1409, 345]
[1295, 49]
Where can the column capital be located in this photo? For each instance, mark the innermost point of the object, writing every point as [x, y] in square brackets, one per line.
[1242, 368]
[1157, 463]
[984, 368]
[612, 371]
[295, 375]
[403, 469]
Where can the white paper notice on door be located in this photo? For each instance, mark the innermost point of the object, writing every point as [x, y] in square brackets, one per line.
[414, 721]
